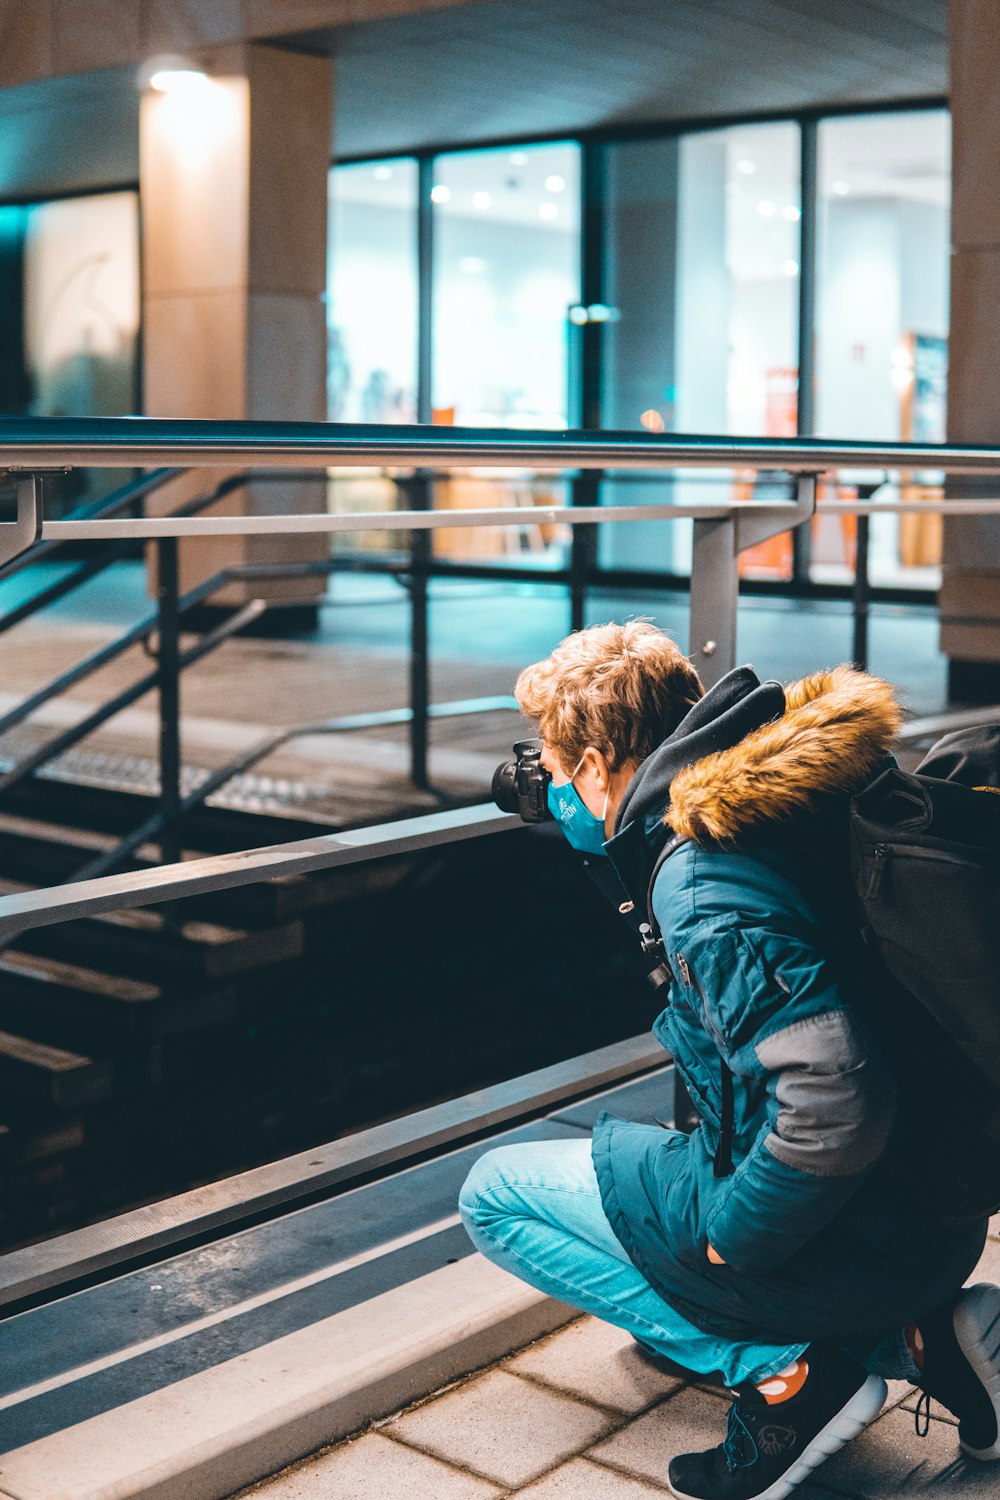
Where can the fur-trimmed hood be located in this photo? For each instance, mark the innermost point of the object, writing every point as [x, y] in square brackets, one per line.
[836, 728]
[753, 754]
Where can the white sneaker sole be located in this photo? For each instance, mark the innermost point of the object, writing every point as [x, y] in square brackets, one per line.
[977, 1327]
[863, 1407]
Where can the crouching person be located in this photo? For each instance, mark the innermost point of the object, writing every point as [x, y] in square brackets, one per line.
[778, 1243]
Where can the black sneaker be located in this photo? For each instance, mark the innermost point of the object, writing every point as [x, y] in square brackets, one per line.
[962, 1366]
[770, 1449]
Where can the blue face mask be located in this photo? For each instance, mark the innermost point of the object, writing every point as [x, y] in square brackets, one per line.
[583, 829]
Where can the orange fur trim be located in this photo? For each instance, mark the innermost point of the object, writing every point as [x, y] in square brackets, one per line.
[836, 727]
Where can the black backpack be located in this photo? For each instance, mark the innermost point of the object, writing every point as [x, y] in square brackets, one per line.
[925, 861]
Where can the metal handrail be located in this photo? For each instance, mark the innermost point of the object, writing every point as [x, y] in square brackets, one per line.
[125, 442]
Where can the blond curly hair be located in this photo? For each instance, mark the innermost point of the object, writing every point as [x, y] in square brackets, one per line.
[620, 688]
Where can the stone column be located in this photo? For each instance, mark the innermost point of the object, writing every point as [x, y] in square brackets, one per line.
[233, 177]
[970, 593]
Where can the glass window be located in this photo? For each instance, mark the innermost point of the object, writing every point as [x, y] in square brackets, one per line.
[372, 323]
[506, 271]
[372, 293]
[703, 238]
[882, 316]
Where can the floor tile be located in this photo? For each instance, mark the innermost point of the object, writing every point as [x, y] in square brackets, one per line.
[889, 1459]
[507, 1429]
[686, 1423]
[374, 1468]
[597, 1361]
[580, 1480]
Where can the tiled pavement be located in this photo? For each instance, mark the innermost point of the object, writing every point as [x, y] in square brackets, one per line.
[581, 1415]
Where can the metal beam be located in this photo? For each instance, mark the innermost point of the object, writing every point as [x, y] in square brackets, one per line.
[57, 1263]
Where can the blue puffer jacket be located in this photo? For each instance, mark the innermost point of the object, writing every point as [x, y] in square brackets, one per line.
[817, 1240]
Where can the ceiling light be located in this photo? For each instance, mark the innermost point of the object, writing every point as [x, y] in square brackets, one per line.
[840, 188]
[382, 174]
[746, 166]
[481, 200]
[554, 184]
[791, 213]
[174, 80]
[518, 158]
[789, 268]
[766, 208]
[440, 193]
[548, 210]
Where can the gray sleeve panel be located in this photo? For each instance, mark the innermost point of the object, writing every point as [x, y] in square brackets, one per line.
[836, 1098]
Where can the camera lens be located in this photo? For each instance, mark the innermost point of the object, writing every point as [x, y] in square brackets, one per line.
[505, 787]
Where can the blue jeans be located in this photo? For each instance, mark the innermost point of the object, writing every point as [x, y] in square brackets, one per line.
[535, 1209]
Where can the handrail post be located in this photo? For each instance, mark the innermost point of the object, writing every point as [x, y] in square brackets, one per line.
[715, 585]
[168, 654]
[862, 594]
[17, 537]
[420, 565]
[585, 490]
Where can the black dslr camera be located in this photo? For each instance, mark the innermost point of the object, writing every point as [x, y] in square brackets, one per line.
[521, 786]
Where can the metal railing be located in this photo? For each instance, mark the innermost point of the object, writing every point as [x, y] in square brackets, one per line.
[721, 532]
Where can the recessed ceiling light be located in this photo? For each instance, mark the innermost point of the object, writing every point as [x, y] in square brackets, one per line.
[440, 193]
[382, 174]
[548, 210]
[789, 268]
[554, 184]
[481, 200]
[791, 213]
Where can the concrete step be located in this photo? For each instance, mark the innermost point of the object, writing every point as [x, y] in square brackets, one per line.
[215, 1368]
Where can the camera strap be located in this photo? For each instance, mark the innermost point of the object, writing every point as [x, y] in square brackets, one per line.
[661, 975]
